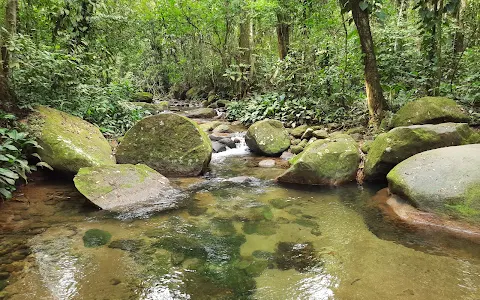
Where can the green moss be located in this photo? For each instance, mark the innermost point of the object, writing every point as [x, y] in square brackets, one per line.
[169, 143]
[69, 143]
[267, 137]
[327, 162]
[280, 203]
[429, 110]
[143, 97]
[96, 238]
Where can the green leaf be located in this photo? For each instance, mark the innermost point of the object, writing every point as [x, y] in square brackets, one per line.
[44, 165]
[5, 193]
[8, 173]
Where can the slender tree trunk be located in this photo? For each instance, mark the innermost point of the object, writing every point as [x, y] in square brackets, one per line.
[11, 29]
[438, 48]
[244, 44]
[283, 34]
[399, 21]
[375, 100]
[7, 97]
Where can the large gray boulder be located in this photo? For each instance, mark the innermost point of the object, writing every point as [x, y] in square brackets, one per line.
[68, 142]
[429, 110]
[331, 161]
[120, 187]
[398, 144]
[267, 137]
[169, 143]
[445, 181]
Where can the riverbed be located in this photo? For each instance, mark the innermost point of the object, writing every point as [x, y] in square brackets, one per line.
[239, 235]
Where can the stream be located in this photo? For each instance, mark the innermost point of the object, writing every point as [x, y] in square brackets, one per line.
[239, 236]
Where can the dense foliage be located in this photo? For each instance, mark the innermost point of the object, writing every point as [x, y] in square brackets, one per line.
[15, 149]
[298, 61]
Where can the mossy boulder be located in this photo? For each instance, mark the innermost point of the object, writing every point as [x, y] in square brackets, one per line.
[119, 187]
[153, 108]
[202, 113]
[445, 181]
[143, 97]
[429, 110]
[390, 148]
[169, 143]
[69, 143]
[324, 162]
[96, 238]
[267, 137]
[299, 131]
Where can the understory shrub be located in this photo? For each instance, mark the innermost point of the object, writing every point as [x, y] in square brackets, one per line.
[295, 111]
[74, 83]
[16, 146]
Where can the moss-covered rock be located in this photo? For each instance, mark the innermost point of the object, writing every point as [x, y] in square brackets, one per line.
[324, 162]
[299, 131]
[267, 137]
[143, 97]
[398, 144]
[429, 110]
[444, 181]
[299, 256]
[118, 187]
[69, 143]
[153, 108]
[96, 238]
[202, 113]
[169, 143]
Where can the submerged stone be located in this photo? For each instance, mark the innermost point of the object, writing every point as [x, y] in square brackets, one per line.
[127, 245]
[259, 227]
[280, 203]
[169, 143]
[398, 144]
[429, 110]
[299, 256]
[444, 181]
[96, 238]
[68, 142]
[267, 137]
[119, 187]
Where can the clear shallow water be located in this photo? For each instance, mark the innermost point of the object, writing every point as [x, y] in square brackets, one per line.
[237, 238]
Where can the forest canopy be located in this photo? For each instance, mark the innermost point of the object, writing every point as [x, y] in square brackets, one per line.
[297, 61]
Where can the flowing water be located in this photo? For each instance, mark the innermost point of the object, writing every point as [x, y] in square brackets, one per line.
[239, 236]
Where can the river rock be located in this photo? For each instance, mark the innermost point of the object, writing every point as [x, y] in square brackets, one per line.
[390, 148]
[324, 162]
[169, 143]
[228, 142]
[202, 113]
[222, 128]
[267, 137]
[143, 97]
[218, 147]
[320, 134]
[266, 163]
[69, 143]
[429, 110]
[444, 181]
[299, 131]
[118, 187]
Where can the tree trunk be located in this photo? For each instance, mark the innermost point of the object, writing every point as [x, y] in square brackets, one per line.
[283, 34]
[11, 29]
[375, 100]
[244, 45]
[7, 97]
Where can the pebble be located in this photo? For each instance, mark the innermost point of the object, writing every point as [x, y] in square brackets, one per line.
[267, 163]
